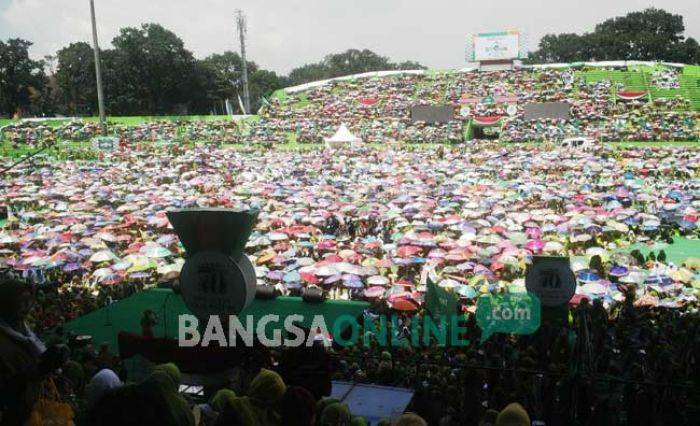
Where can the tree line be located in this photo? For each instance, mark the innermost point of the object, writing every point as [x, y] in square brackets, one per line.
[649, 35]
[149, 71]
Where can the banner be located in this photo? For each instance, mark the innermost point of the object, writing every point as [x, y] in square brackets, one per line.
[487, 100]
[439, 301]
[368, 101]
[488, 120]
[630, 95]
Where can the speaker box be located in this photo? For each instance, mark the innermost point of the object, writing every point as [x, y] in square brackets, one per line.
[265, 292]
[313, 295]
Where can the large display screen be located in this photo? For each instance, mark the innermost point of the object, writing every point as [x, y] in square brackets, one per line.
[495, 46]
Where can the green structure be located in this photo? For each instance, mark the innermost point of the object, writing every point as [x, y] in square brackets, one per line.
[105, 324]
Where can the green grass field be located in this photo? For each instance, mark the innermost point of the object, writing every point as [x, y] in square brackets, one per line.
[68, 149]
[129, 121]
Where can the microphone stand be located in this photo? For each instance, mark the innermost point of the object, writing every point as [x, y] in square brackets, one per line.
[108, 320]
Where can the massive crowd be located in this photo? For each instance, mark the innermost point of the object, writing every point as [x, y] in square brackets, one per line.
[363, 225]
[37, 134]
[379, 110]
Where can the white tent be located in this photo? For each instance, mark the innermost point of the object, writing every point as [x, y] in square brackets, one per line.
[343, 137]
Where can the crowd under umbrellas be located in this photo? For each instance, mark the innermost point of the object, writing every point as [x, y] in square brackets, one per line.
[363, 225]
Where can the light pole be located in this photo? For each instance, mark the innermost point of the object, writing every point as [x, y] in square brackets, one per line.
[98, 71]
[242, 30]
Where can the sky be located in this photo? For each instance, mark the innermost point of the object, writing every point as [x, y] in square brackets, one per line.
[284, 34]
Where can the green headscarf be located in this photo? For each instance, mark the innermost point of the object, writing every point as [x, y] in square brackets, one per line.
[322, 404]
[172, 371]
[221, 399]
[160, 391]
[358, 421]
[74, 373]
[245, 411]
[513, 415]
[410, 419]
[336, 414]
[267, 388]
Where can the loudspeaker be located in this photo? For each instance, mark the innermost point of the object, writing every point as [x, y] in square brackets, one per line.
[313, 295]
[265, 292]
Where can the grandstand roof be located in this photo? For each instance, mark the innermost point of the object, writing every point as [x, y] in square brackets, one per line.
[372, 74]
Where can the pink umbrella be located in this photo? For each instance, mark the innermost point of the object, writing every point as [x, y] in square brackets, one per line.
[406, 251]
[326, 245]
[333, 258]
[436, 254]
[309, 278]
[533, 233]
[400, 295]
[374, 292]
[535, 245]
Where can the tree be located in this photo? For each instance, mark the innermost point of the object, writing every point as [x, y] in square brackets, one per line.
[309, 72]
[153, 72]
[651, 35]
[22, 79]
[223, 79]
[262, 84]
[75, 77]
[352, 61]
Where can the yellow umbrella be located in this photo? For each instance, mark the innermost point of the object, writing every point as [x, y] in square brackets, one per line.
[682, 275]
[139, 263]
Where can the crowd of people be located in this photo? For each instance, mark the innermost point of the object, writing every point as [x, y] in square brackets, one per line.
[364, 225]
[37, 134]
[380, 110]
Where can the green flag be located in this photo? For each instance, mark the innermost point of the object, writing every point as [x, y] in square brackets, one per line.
[438, 301]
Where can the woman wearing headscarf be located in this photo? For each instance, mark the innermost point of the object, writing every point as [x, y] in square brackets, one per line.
[101, 383]
[155, 401]
[166, 404]
[409, 419]
[260, 407]
[513, 415]
[336, 414]
[24, 359]
[298, 407]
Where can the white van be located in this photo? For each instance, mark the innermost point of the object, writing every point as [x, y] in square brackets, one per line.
[579, 143]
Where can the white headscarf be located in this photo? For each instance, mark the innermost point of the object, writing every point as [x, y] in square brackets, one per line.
[102, 382]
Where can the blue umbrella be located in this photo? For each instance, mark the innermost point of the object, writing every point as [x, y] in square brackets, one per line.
[434, 226]
[275, 275]
[618, 271]
[333, 279]
[658, 279]
[292, 277]
[71, 267]
[354, 284]
[686, 224]
[587, 276]
[466, 291]
[139, 275]
[676, 195]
